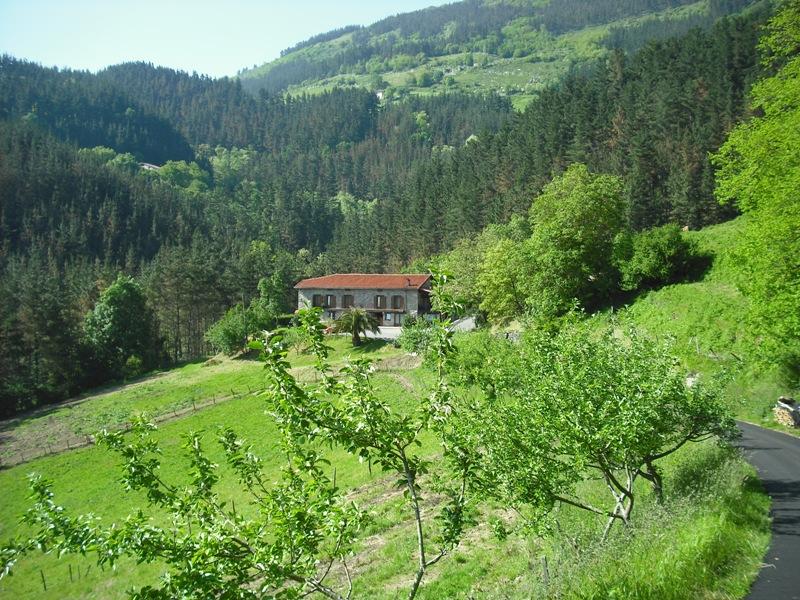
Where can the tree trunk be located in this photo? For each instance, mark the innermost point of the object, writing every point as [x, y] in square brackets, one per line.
[654, 477]
[410, 485]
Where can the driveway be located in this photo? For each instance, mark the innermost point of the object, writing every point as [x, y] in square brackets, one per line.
[776, 457]
[385, 333]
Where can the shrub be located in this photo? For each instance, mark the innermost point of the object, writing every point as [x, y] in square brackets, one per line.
[416, 335]
[133, 367]
[229, 334]
[479, 352]
[653, 257]
[296, 339]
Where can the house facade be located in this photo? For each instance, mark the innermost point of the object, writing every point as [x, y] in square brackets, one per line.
[390, 298]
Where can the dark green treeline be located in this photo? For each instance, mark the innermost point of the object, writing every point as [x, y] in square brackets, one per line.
[652, 119]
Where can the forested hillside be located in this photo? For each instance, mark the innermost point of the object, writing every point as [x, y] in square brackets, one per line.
[85, 110]
[256, 191]
[651, 118]
[512, 47]
[257, 194]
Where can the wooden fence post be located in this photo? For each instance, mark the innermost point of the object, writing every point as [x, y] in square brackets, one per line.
[545, 573]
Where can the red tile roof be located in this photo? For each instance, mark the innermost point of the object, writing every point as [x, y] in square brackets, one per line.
[362, 281]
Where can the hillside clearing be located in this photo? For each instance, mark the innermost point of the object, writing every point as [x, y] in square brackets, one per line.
[723, 526]
[162, 396]
[707, 320]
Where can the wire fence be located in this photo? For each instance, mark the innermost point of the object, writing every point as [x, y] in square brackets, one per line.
[19, 456]
[10, 457]
[61, 576]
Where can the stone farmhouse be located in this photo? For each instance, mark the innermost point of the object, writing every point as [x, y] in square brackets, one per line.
[391, 298]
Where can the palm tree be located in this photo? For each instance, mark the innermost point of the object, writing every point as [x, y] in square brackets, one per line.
[356, 321]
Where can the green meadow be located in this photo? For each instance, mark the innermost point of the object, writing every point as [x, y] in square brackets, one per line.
[706, 540]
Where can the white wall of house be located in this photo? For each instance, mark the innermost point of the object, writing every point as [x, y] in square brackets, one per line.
[365, 299]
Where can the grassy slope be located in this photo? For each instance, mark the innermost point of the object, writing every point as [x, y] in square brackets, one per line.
[713, 548]
[519, 78]
[709, 546]
[157, 395]
[706, 542]
[87, 480]
[707, 320]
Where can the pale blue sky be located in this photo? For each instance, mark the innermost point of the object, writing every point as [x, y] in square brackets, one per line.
[214, 37]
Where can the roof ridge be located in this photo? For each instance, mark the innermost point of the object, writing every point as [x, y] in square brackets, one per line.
[366, 281]
[374, 275]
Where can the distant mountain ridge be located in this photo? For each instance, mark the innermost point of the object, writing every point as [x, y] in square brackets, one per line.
[514, 47]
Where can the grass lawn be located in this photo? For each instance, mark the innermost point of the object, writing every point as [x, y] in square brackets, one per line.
[87, 480]
[158, 395]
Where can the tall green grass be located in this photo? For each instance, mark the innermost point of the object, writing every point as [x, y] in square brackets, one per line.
[708, 322]
[160, 394]
[707, 541]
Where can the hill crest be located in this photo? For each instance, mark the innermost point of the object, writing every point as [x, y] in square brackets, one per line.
[512, 47]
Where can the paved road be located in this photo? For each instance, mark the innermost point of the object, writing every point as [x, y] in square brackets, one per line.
[465, 324]
[776, 456]
[392, 333]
